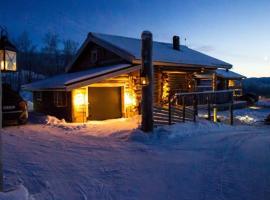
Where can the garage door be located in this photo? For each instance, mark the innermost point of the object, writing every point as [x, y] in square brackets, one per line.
[104, 103]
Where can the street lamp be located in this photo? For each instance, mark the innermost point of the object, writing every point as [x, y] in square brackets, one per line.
[8, 53]
[8, 62]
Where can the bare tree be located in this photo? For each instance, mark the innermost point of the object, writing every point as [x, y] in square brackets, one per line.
[26, 55]
[51, 52]
[69, 50]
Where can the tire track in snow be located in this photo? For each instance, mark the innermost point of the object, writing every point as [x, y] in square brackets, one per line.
[227, 169]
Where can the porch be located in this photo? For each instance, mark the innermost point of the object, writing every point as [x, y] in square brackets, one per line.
[183, 107]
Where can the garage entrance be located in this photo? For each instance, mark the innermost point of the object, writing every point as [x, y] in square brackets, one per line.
[104, 103]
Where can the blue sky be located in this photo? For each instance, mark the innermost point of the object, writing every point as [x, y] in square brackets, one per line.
[236, 31]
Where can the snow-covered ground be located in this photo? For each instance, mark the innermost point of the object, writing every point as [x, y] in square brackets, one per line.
[114, 160]
[253, 115]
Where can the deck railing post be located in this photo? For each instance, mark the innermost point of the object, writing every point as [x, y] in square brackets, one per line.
[184, 109]
[194, 108]
[208, 107]
[231, 109]
[170, 109]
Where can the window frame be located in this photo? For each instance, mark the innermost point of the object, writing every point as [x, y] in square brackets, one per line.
[60, 99]
[38, 96]
[94, 56]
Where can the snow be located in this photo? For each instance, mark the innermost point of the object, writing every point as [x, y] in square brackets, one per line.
[248, 116]
[265, 102]
[163, 52]
[229, 74]
[60, 81]
[20, 193]
[113, 159]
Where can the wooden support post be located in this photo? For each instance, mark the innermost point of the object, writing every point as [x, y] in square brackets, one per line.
[170, 109]
[196, 105]
[147, 90]
[184, 109]
[1, 142]
[194, 108]
[231, 113]
[214, 82]
[208, 107]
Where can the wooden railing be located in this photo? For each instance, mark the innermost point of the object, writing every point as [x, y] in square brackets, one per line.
[184, 106]
[203, 98]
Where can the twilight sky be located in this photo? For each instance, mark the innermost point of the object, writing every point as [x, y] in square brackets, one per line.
[236, 31]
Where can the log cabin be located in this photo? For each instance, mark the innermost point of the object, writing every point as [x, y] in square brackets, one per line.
[103, 81]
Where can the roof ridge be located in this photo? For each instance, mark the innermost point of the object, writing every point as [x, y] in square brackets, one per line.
[128, 37]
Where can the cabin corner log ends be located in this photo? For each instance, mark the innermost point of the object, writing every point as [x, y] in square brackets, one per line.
[147, 89]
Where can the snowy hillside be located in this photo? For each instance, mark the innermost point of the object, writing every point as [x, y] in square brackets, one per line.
[259, 86]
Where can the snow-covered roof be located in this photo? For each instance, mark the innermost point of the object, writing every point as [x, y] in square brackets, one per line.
[228, 74]
[69, 81]
[130, 48]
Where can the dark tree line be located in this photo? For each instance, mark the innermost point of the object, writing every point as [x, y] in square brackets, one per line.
[34, 63]
[52, 58]
[258, 86]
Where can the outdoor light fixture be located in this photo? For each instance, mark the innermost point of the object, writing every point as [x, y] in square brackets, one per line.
[79, 99]
[129, 99]
[202, 70]
[8, 53]
[144, 80]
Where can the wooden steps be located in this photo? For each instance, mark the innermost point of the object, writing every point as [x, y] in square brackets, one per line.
[161, 115]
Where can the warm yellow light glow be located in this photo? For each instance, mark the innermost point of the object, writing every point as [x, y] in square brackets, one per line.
[2, 64]
[144, 81]
[129, 100]
[165, 93]
[231, 83]
[79, 99]
[80, 103]
[9, 63]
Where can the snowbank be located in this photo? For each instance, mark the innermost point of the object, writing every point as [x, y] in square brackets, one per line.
[182, 130]
[20, 193]
[113, 127]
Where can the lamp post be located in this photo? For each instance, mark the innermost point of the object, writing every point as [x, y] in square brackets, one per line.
[8, 62]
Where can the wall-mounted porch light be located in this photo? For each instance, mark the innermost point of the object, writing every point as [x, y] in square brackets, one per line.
[202, 70]
[130, 100]
[8, 53]
[79, 97]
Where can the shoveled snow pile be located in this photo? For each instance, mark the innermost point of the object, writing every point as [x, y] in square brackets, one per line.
[111, 127]
[20, 193]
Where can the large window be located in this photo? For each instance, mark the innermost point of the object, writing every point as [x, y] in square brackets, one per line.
[60, 99]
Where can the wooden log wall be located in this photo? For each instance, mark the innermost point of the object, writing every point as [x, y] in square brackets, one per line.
[166, 83]
[158, 84]
[178, 82]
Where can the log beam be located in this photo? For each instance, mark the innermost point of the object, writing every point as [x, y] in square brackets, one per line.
[147, 90]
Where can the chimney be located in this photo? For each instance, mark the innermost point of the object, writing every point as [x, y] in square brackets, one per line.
[176, 42]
